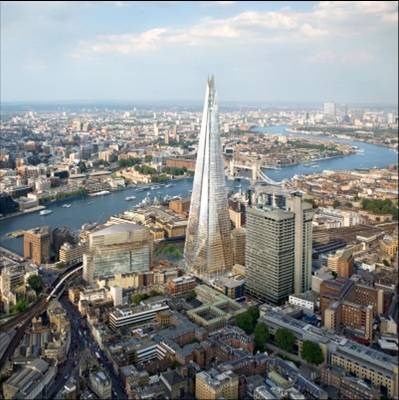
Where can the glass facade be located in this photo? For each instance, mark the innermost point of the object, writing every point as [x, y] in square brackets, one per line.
[118, 249]
[208, 248]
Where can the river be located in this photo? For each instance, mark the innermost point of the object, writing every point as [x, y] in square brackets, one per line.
[99, 209]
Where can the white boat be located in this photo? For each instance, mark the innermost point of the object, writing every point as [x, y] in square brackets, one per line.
[101, 193]
[66, 205]
[128, 198]
[168, 185]
[45, 212]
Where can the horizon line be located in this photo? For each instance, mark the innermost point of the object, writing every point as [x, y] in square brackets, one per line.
[199, 102]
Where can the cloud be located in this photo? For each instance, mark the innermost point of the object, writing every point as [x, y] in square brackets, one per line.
[328, 57]
[325, 19]
[363, 13]
[244, 28]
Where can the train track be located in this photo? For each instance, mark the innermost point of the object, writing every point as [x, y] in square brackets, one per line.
[22, 321]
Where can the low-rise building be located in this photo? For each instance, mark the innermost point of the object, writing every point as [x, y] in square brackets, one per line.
[31, 381]
[100, 384]
[305, 300]
[212, 385]
[181, 285]
[131, 316]
[71, 254]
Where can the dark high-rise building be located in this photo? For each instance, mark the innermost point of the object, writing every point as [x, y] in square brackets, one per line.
[269, 254]
[7, 204]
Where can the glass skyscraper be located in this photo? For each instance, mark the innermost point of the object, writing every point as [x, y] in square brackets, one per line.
[208, 249]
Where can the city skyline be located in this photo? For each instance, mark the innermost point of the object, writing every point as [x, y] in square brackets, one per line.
[260, 51]
[159, 241]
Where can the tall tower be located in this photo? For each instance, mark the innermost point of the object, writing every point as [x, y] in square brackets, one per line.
[208, 249]
[269, 253]
[303, 242]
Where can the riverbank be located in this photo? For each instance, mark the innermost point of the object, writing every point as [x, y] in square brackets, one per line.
[353, 134]
[99, 209]
[19, 213]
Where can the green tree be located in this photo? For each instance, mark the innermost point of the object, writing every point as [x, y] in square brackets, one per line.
[285, 339]
[311, 352]
[21, 305]
[336, 203]
[129, 162]
[148, 158]
[35, 282]
[191, 295]
[253, 311]
[159, 178]
[245, 322]
[377, 206]
[138, 297]
[82, 166]
[261, 336]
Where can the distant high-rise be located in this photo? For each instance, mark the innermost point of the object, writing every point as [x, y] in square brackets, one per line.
[269, 253]
[117, 249]
[330, 109]
[208, 248]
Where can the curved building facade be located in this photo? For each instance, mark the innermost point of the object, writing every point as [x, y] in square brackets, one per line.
[208, 248]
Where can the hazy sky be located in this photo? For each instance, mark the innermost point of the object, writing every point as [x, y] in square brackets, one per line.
[258, 51]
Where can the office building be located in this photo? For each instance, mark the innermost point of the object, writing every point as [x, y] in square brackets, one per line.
[269, 253]
[276, 197]
[71, 254]
[117, 249]
[354, 306]
[364, 362]
[100, 384]
[330, 109]
[37, 245]
[347, 386]
[303, 242]
[341, 262]
[238, 241]
[212, 385]
[368, 364]
[12, 285]
[237, 212]
[208, 248]
[7, 204]
[181, 285]
[133, 316]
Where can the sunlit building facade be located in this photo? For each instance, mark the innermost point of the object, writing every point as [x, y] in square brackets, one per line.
[117, 249]
[208, 249]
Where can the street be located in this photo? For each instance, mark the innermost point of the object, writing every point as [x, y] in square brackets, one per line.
[81, 339]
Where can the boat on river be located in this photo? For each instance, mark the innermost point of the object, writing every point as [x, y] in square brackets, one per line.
[101, 193]
[45, 212]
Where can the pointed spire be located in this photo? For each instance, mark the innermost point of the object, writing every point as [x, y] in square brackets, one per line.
[208, 249]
